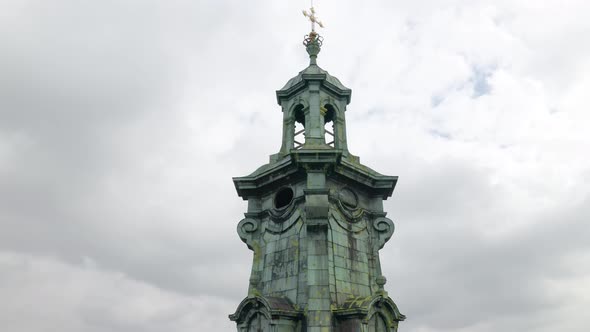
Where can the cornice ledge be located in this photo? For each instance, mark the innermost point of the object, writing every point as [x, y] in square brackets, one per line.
[248, 185]
[306, 77]
[384, 184]
[340, 92]
[285, 94]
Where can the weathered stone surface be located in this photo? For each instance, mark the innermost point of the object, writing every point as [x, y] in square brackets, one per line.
[315, 223]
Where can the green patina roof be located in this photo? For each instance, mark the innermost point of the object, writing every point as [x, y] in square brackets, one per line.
[313, 70]
[313, 73]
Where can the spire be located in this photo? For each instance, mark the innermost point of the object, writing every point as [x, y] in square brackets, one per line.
[315, 219]
[313, 41]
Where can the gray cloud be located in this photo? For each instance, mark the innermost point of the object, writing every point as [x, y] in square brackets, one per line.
[122, 123]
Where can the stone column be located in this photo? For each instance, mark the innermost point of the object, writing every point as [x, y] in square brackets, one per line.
[319, 314]
[315, 129]
[288, 129]
[340, 130]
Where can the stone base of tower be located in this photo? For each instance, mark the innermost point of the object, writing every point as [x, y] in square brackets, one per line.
[278, 314]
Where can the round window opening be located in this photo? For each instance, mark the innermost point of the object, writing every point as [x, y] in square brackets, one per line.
[283, 198]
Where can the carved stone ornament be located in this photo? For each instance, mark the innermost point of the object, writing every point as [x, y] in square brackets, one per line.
[278, 225]
[355, 227]
[348, 198]
[347, 202]
[247, 227]
[384, 228]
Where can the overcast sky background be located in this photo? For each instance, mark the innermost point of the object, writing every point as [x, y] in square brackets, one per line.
[122, 123]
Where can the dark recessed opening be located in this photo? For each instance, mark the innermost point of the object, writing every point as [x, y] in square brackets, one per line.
[299, 114]
[283, 197]
[329, 113]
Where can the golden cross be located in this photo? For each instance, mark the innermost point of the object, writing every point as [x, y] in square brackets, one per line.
[312, 18]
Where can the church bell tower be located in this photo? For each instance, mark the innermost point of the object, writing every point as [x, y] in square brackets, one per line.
[315, 220]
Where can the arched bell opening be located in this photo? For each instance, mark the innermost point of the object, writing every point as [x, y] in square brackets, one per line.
[329, 117]
[299, 128]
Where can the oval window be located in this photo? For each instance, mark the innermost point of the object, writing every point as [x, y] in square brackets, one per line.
[283, 198]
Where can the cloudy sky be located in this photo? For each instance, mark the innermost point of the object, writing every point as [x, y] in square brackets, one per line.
[122, 123]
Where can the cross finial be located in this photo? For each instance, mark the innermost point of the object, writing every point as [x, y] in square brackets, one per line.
[313, 41]
[312, 18]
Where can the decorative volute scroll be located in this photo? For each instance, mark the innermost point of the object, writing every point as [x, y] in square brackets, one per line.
[385, 228]
[247, 228]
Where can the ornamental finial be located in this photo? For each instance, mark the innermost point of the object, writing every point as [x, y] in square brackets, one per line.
[313, 41]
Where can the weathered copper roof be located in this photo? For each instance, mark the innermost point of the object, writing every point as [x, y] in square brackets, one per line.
[313, 73]
[313, 70]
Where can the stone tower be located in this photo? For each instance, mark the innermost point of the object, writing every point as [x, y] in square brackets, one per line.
[315, 220]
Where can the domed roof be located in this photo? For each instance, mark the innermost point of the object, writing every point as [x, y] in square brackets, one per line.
[313, 73]
[313, 70]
